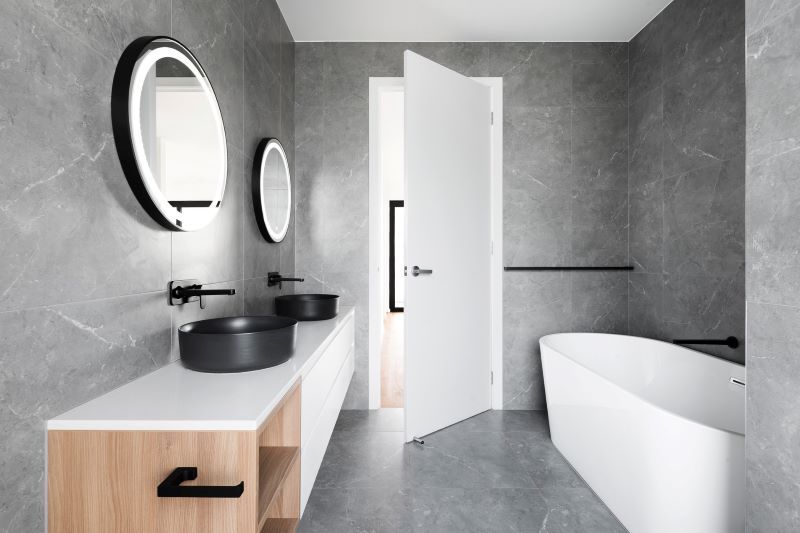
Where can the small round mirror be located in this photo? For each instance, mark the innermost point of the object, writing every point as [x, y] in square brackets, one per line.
[169, 133]
[272, 190]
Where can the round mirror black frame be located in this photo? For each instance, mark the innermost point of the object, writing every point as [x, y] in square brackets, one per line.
[168, 214]
[264, 148]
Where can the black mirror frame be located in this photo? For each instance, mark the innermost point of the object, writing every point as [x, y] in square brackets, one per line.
[256, 188]
[121, 124]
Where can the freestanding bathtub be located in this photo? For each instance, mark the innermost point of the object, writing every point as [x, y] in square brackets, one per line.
[656, 430]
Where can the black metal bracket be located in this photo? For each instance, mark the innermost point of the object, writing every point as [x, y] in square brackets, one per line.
[730, 342]
[171, 486]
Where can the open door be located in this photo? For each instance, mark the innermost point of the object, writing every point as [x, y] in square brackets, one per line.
[448, 246]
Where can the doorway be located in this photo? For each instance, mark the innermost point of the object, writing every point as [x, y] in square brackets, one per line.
[386, 321]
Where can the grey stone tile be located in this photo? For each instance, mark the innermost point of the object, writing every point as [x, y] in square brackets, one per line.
[262, 93]
[490, 510]
[600, 302]
[700, 35]
[216, 307]
[366, 460]
[362, 510]
[263, 23]
[535, 304]
[773, 74]
[773, 418]
[504, 420]
[538, 142]
[536, 223]
[534, 74]
[698, 306]
[646, 138]
[759, 13]
[704, 117]
[542, 461]
[56, 358]
[214, 253]
[212, 31]
[599, 228]
[645, 56]
[773, 194]
[645, 304]
[578, 510]
[309, 61]
[600, 148]
[458, 458]
[370, 421]
[346, 74]
[107, 27]
[600, 74]
[258, 298]
[72, 229]
[703, 222]
[646, 231]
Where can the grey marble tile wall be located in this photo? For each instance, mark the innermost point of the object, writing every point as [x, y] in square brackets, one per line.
[773, 284]
[686, 163]
[565, 180]
[84, 271]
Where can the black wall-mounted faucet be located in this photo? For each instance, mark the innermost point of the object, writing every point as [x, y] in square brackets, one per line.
[275, 278]
[190, 290]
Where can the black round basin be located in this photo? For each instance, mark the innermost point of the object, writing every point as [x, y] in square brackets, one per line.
[237, 343]
[307, 306]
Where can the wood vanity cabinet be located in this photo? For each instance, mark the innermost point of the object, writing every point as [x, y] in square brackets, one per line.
[105, 481]
[268, 429]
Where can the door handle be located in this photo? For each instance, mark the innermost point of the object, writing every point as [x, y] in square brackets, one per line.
[417, 271]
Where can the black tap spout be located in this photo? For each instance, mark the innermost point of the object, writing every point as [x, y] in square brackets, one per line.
[275, 278]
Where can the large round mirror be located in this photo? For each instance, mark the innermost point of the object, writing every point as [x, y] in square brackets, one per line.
[272, 190]
[169, 133]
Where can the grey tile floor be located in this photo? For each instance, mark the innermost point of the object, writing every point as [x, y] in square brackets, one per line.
[495, 472]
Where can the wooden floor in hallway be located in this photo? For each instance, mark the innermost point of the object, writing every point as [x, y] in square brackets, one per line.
[392, 367]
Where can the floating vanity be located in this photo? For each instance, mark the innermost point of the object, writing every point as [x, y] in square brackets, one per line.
[179, 450]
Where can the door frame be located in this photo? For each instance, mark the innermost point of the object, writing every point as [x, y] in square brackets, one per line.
[393, 204]
[377, 85]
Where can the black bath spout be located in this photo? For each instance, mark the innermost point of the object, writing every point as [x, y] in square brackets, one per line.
[275, 278]
[730, 342]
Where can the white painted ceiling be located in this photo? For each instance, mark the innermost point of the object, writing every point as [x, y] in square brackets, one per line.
[468, 20]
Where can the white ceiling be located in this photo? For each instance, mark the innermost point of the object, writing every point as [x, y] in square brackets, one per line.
[468, 20]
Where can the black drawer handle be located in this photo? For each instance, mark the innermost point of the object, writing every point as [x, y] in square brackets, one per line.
[171, 486]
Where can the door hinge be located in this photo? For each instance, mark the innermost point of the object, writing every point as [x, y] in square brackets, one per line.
[491, 118]
[492, 378]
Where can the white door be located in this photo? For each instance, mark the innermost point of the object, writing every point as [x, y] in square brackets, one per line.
[447, 166]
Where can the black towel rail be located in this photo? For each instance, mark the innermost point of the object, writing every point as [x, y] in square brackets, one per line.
[533, 268]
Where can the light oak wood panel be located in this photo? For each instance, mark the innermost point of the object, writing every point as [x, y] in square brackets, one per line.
[274, 466]
[282, 428]
[105, 481]
[280, 525]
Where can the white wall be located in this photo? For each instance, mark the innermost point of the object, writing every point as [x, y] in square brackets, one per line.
[392, 172]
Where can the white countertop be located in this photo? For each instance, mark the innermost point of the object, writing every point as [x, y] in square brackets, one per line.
[176, 398]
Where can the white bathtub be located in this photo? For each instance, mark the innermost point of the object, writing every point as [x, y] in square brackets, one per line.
[656, 430]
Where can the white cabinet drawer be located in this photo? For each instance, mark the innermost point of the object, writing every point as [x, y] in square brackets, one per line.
[317, 384]
[318, 437]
